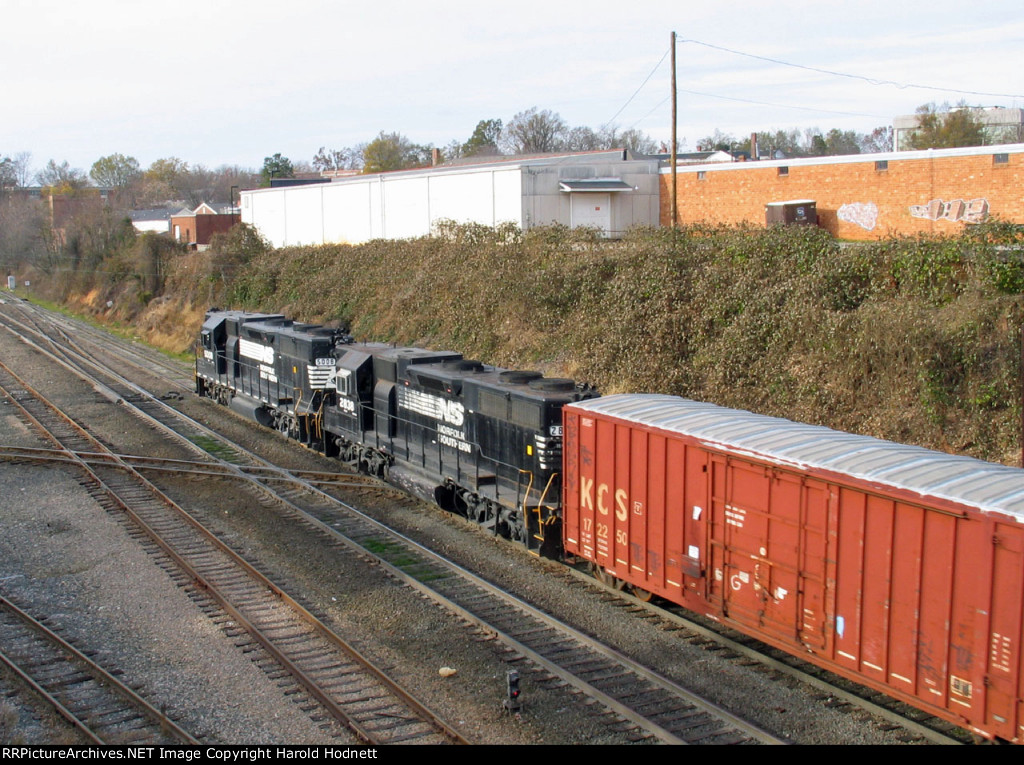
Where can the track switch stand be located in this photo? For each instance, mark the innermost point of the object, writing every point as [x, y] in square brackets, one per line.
[513, 702]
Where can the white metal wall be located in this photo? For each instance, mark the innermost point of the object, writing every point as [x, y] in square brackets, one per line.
[403, 205]
[382, 206]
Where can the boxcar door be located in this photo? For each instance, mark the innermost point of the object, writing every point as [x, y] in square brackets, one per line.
[768, 545]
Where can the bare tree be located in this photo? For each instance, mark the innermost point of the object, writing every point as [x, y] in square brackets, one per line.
[638, 141]
[15, 171]
[718, 141]
[228, 176]
[61, 176]
[22, 168]
[22, 228]
[337, 159]
[534, 132]
[878, 141]
[584, 139]
[454, 150]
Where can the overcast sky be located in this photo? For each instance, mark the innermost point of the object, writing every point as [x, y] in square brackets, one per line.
[229, 82]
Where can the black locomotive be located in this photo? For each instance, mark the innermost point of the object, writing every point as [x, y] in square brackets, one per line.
[480, 441]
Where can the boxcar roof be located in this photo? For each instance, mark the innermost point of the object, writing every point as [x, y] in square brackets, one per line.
[963, 480]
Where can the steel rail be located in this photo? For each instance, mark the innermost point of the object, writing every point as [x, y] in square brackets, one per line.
[468, 615]
[103, 677]
[189, 467]
[752, 652]
[302, 677]
[273, 473]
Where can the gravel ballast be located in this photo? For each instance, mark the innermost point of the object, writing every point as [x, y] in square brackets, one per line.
[63, 552]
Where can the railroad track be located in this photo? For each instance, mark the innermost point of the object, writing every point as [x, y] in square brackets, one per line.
[526, 632]
[87, 342]
[350, 688]
[645, 700]
[653, 704]
[102, 708]
[834, 690]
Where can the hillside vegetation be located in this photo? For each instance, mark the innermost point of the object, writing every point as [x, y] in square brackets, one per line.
[914, 340]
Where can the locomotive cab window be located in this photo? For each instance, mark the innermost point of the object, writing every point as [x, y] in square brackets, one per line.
[344, 383]
[430, 384]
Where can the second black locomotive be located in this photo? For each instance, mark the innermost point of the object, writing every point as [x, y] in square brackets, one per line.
[480, 441]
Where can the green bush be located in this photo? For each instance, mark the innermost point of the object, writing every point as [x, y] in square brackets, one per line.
[914, 339]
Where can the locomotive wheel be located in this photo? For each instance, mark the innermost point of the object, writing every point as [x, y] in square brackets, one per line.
[476, 510]
[465, 504]
[517, 532]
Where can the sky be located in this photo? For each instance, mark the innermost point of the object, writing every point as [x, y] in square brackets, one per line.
[230, 82]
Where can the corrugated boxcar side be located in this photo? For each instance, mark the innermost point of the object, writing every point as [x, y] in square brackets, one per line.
[623, 493]
[920, 599]
[928, 603]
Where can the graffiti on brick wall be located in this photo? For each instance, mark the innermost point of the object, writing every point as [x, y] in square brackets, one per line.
[968, 211]
[864, 214]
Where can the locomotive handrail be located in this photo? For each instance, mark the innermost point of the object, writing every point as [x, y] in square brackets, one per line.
[422, 431]
[542, 521]
[540, 502]
[529, 486]
[382, 435]
[316, 420]
[252, 383]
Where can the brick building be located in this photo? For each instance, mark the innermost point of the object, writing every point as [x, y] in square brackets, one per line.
[64, 206]
[197, 227]
[860, 196]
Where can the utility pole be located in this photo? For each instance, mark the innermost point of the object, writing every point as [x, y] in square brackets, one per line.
[672, 160]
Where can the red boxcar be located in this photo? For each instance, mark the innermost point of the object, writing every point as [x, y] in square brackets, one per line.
[893, 565]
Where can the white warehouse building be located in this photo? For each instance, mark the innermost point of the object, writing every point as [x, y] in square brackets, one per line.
[608, 190]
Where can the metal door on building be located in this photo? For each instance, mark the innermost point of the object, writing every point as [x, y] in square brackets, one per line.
[591, 209]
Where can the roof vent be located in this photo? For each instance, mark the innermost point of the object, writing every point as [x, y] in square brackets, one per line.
[553, 384]
[518, 377]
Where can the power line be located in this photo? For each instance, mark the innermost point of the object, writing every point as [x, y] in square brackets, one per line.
[652, 111]
[869, 80]
[637, 91]
[781, 106]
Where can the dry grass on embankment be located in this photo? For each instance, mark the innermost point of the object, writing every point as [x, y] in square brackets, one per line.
[915, 340]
